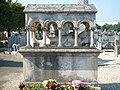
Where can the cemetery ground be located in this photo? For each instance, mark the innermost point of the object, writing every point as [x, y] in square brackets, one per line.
[11, 68]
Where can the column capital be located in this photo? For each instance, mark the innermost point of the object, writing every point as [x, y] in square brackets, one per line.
[44, 28]
[59, 28]
[33, 29]
[28, 27]
[75, 28]
[93, 28]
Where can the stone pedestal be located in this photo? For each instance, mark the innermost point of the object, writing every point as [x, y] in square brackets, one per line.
[61, 64]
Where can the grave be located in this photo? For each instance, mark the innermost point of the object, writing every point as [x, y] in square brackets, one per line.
[60, 42]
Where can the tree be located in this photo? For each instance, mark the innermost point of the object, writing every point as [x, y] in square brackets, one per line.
[107, 27]
[2, 1]
[11, 16]
[116, 27]
[98, 26]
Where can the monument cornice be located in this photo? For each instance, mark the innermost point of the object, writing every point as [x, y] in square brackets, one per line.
[60, 8]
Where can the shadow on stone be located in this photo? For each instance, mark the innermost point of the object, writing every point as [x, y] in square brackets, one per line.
[3, 82]
[5, 63]
[102, 62]
[110, 86]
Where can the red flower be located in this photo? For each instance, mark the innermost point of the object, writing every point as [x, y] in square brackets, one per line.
[21, 84]
[65, 83]
[70, 84]
[50, 84]
[76, 87]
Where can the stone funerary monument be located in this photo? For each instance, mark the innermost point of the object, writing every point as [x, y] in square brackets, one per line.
[60, 42]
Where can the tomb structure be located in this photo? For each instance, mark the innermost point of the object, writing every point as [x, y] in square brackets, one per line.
[60, 42]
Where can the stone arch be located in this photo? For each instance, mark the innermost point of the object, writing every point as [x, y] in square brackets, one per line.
[84, 35]
[36, 32]
[68, 21]
[47, 23]
[30, 23]
[67, 27]
[52, 32]
[68, 33]
[51, 27]
[88, 23]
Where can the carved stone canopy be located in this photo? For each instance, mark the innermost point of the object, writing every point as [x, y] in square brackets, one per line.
[60, 8]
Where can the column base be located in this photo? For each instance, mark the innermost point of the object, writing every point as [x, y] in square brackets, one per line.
[92, 46]
[44, 45]
[75, 46]
[28, 46]
[60, 46]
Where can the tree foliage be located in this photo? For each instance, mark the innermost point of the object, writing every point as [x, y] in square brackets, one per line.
[11, 16]
[98, 26]
[107, 27]
[115, 27]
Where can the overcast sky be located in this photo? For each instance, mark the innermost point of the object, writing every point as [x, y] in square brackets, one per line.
[108, 10]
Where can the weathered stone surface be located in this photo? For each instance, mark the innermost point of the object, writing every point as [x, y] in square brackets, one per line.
[60, 64]
[60, 14]
[60, 8]
[63, 64]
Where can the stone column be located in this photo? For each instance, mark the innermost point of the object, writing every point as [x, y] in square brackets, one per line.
[44, 37]
[76, 37]
[33, 38]
[91, 38]
[28, 36]
[116, 44]
[60, 37]
[100, 41]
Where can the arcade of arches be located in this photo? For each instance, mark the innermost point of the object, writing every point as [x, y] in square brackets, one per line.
[60, 25]
[60, 34]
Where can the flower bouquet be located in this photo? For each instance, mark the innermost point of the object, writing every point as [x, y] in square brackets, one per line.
[50, 84]
[66, 86]
[21, 85]
[79, 85]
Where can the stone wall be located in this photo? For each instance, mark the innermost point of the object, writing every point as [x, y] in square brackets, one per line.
[60, 64]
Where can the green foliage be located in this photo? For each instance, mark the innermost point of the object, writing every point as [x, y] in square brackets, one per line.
[107, 27]
[11, 16]
[115, 27]
[98, 26]
[33, 86]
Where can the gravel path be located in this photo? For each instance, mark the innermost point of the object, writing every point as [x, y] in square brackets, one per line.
[108, 71]
[10, 71]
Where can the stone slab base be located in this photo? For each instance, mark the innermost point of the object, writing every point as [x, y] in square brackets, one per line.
[61, 64]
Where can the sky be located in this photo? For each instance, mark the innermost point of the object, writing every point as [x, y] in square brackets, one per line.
[108, 10]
